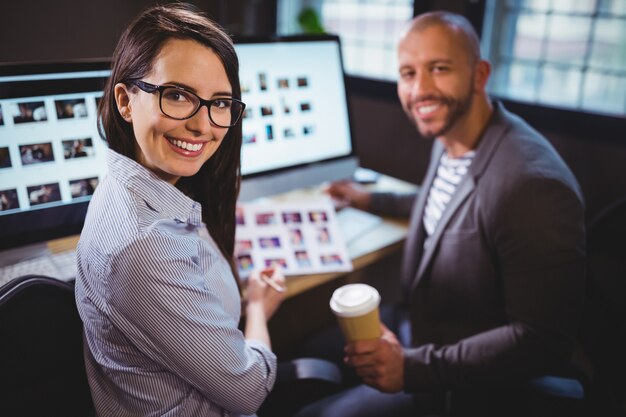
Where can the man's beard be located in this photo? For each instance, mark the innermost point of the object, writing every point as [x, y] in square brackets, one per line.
[457, 108]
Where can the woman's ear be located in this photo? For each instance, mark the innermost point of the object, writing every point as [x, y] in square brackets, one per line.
[122, 99]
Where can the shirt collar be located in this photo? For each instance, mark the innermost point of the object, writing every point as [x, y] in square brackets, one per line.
[160, 195]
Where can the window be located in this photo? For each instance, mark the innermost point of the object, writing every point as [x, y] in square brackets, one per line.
[368, 30]
[561, 53]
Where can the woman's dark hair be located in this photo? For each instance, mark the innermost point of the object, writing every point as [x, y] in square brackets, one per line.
[216, 185]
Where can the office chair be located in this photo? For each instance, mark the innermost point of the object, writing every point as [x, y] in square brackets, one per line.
[604, 337]
[604, 324]
[41, 353]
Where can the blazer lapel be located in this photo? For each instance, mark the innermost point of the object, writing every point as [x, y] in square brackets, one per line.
[414, 244]
[464, 189]
[496, 129]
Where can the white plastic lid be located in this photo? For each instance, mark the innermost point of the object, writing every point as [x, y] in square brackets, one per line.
[354, 300]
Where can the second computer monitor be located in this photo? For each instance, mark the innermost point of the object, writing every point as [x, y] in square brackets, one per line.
[296, 127]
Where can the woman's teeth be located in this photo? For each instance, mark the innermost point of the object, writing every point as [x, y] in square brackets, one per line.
[187, 146]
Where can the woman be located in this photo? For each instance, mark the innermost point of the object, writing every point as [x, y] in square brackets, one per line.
[155, 286]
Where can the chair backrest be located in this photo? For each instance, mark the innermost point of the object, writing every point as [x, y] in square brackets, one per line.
[42, 371]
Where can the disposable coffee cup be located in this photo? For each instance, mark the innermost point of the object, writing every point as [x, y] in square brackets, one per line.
[356, 309]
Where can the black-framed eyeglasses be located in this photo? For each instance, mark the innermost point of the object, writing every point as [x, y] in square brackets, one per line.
[180, 104]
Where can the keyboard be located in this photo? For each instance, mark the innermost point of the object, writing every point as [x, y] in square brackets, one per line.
[59, 265]
[353, 223]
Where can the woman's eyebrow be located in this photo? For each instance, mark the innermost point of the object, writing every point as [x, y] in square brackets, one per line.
[193, 90]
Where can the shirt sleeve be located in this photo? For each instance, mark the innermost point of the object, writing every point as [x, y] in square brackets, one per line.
[538, 237]
[392, 204]
[173, 310]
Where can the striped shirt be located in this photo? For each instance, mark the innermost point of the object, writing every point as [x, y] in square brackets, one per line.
[450, 172]
[160, 306]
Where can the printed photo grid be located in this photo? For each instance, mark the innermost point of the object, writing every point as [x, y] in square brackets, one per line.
[301, 237]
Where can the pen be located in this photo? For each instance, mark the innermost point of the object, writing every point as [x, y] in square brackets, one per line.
[272, 283]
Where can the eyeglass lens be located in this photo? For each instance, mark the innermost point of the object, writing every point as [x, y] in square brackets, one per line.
[180, 104]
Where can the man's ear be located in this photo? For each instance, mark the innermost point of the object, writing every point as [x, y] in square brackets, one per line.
[481, 76]
[122, 99]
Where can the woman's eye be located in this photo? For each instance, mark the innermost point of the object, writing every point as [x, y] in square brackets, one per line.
[222, 104]
[174, 95]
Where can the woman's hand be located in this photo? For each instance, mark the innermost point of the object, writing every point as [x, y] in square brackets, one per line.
[266, 290]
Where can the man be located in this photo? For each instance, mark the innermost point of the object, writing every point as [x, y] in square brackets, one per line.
[494, 261]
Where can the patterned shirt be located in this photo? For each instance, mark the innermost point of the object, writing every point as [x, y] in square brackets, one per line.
[450, 172]
[160, 306]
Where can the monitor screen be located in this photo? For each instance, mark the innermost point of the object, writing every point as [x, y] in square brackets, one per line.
[51, 156]
[296, 127]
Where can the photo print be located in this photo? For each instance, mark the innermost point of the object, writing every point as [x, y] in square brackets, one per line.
[269, 242]
[83, 187]
[323, 236]
[283, 83]
[243, 245]
[245, 88]
[307, 130]
[302, 258]
[286, 107]
[9, 200]
[262, 81]
[5, 158]
[1, 117]
[302, 236]
[245, 263]
[332, 259]
[71, 109]
[36, 153]
[288, 133]
[318, 216]
[239, 215]
[27, 112]
[275, 262]
[77, 148]
[303, 82]
[265, 218]
[269, 131]
[305, 107]
[295, 237]
[247, 113]
[292, 217]
[45, 193]
[248, 138]
[266, 111]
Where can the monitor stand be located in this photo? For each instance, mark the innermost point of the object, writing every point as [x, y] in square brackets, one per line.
[310, 175]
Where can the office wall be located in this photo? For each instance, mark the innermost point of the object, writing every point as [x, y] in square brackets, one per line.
[43, 30]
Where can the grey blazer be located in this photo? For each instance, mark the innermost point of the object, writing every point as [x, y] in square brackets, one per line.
[496, 292]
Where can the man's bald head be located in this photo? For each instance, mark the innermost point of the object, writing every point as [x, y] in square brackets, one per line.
[457, 24]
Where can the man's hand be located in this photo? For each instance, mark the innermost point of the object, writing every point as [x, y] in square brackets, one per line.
[348, 193]
[379, 362]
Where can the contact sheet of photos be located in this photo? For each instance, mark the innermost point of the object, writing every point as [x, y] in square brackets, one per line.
[300, 237]
[39, 136]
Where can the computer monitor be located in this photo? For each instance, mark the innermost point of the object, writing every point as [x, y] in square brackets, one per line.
[51, 156]
[296, 127]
